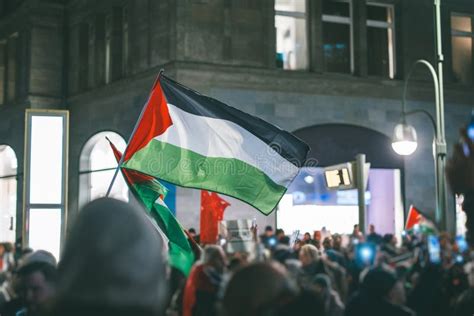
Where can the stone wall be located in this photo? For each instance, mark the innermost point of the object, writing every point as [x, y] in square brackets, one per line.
[224, 48]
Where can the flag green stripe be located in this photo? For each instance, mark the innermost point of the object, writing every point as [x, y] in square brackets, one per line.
[225, 175]
[180, 254]
[172, 228]
[146, 193]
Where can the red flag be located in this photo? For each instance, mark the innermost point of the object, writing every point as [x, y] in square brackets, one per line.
[414, 217]
[212, 211]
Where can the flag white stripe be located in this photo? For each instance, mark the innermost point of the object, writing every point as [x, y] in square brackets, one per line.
[217, 138]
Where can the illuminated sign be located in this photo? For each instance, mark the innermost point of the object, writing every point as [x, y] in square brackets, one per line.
[342, 176]
[339, 177]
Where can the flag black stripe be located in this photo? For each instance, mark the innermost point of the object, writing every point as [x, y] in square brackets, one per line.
[286, 144]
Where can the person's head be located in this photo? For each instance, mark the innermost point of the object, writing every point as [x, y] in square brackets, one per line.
[445, 240]
[317, 235]
[371, 228]
[113, 261]
[307, 237]
[321, 284]
[381, 283]
[192, 232]
[9, 247]
[38, 275]
[268, 231]
[280, 233]
[214, 256]
[356, 229]
[336, 241]
[327, 243]
[257, 288]
[236, 263]
[389, 239]
[308, 254]
[2, 249]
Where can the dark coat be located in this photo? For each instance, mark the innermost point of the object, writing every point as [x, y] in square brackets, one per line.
[364, 304]
[336, 273]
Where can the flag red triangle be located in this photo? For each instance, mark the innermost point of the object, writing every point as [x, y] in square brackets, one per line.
[414, 217]
[154, 121]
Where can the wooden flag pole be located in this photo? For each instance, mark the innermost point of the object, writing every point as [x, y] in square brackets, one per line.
[131, 136]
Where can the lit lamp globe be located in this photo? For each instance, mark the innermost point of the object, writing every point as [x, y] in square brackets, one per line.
[404, 139]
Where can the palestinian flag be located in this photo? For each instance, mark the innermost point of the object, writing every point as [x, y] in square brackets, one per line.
[414, 218]
[417, 221]
[195, 141]
[151, 194]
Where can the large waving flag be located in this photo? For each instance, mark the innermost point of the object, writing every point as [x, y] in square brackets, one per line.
[195, 141]
[152, 193]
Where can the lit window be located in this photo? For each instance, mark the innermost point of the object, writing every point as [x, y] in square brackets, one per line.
[97, 168]
[462, 42]
[337, 36]
[45, 177]
[380, 40]
[8, 195]
[291, 37]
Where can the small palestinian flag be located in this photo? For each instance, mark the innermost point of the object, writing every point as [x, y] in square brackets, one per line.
[151, 194]
[195, 141]
[416, 221]
[414, 218]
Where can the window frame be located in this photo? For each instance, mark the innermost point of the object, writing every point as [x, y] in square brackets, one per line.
[457, 33]
[347, 21]
[392, 54]
[63, 204]
[302, 16]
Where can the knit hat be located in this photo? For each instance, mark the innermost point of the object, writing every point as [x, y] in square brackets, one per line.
[113, 258]
[37, 257]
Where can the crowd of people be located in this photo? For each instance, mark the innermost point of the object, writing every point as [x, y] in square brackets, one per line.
[115, 263]
[324, 274]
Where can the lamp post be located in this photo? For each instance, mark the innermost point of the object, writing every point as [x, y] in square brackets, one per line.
[404, 140]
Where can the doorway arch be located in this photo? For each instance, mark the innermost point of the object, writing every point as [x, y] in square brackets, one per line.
[336, 143]
[309, 205]
[97, 167]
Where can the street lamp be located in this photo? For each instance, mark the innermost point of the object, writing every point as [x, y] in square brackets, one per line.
[404, 141]
[404, 138]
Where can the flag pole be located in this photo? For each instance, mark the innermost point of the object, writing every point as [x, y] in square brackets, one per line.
[131, 135]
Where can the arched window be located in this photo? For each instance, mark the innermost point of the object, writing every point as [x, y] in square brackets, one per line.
[8, 174]
[97, 167]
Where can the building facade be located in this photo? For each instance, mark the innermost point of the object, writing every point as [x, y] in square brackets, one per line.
[298, 64]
